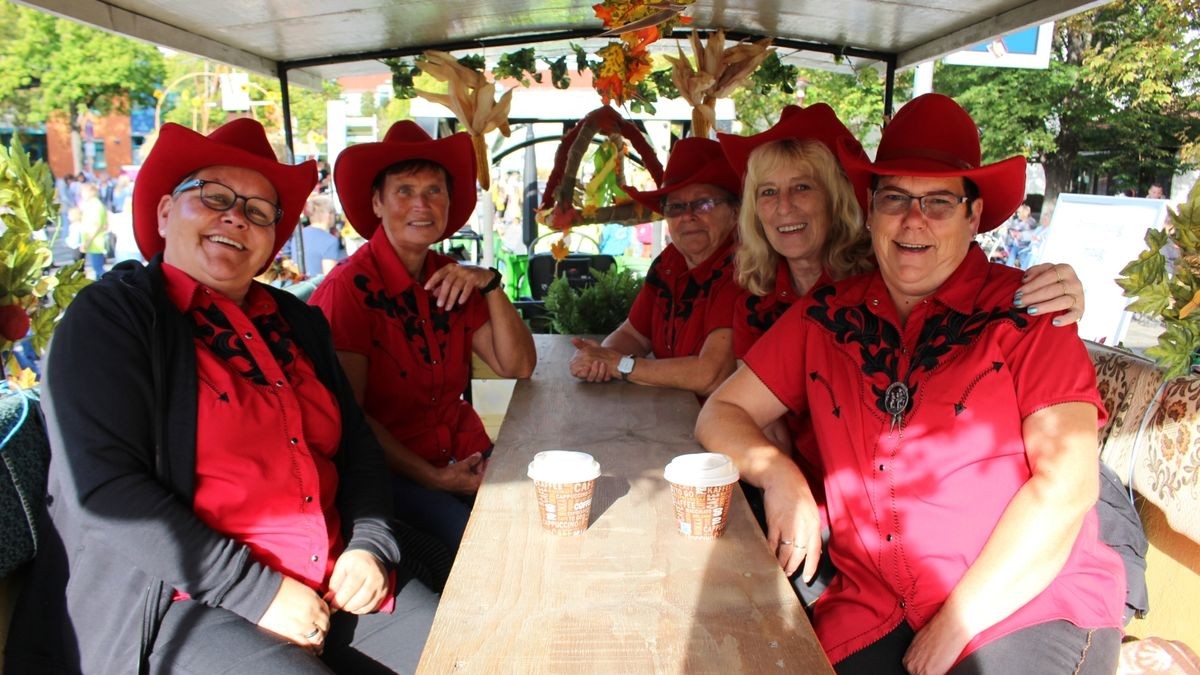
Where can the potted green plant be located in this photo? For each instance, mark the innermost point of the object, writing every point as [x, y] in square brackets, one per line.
[1173, 294]
[33, 294]
[592, 310]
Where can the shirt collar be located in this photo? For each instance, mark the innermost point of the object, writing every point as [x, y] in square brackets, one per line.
[675, 263]
[187, 294]
[393, 273]
[960, 291]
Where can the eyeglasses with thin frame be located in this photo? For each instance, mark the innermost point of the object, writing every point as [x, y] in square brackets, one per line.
[937, 206]
[698, 207]
[221, 197]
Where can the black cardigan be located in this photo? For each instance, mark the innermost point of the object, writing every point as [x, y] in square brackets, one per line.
[119, 532]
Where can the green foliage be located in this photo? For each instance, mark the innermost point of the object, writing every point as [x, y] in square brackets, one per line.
[1175, 297]
[474, 62]
[772, 75]
[519, 65]
[403, 73]
[27, 280]
[50, 65]
[1118, 98]
[595, 310]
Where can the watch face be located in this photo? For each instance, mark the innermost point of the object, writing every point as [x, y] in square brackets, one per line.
[625, 365]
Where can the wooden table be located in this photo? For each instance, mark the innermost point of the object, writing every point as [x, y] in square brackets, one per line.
[631, 595]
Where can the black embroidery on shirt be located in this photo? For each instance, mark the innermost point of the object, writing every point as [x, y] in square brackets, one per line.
[404, 309]
[817, 377]
[216, 331]
[759, 317]
[399, 366]
[880, 346]
[222, 396]
[676, 312]
[961, 405]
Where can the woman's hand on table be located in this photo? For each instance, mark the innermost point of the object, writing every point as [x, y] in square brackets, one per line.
[358, 584]
[592, 362]
[453, 284]
[1049, 288]
[298, 615]
[462, 477]
[793, 521]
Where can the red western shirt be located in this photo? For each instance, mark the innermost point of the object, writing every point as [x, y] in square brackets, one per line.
[419, 355]
[919, 429]
[266, 433]
[677, 308]
[753, 315]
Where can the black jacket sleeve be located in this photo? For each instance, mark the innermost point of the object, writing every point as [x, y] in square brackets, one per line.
[102, 395]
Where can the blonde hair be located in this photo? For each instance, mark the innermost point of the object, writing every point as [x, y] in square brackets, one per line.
[847, 249]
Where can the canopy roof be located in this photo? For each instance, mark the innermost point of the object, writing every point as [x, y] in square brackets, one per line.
[311, 40]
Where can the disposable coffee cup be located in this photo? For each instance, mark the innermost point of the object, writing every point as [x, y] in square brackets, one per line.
[701, 491]
[564, 481]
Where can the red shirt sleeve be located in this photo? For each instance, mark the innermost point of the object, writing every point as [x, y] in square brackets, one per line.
[784, 343]
[720, 307]
[1047, 348]
[347, 314]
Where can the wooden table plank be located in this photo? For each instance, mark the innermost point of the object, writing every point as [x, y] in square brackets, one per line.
[631, 594]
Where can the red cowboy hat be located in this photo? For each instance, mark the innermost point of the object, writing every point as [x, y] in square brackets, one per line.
[179, 151]
[817, 122]
[692, 160]
[933, 136]
[357, 166]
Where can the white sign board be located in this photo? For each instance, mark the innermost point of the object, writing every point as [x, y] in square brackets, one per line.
[1098, 236]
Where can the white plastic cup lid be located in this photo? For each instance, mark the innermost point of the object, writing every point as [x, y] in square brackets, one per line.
[563, 466]
[701, 469]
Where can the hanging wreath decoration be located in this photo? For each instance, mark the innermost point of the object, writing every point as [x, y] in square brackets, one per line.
[560, 210]
[625, 63]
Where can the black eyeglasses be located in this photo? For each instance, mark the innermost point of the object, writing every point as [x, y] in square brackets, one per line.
[938, 206]
[221, 197]
[696, 206]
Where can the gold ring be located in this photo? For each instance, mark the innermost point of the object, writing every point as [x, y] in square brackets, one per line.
[1058, 275]
[1064, 287]
[1072, 303]
[315, 632]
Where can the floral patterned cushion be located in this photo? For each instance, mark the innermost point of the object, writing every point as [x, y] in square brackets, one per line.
[1127, 384]
[1156, 655]
[1167, 461]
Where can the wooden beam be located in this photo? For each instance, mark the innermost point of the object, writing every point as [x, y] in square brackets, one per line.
[1030, 14]
[107, 17]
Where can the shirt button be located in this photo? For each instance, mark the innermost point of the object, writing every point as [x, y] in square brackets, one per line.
[421, 322]
[889, 537]
[903, 604]
[294, 441]
[434, 362]
[882, 467]
[278, 383]
[443, 451]
[315, 558]
[874, 303]
[248, 335]
[433, 399]
[307, 499]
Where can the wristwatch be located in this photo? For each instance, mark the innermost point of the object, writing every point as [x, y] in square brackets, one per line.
[625, 366]
[494, 283]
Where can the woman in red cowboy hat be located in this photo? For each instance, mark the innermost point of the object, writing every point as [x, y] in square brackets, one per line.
[960, 480]
[682, 315]
[801, 228]
[406, 320]
[214, 492]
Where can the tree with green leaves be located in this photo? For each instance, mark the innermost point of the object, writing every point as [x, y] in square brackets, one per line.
[1118, 99]
[54, 67]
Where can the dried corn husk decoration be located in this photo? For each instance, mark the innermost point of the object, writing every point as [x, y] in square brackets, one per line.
[471, 98]
[717, 73]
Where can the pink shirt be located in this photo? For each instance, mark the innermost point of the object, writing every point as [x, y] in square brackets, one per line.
[920, 434]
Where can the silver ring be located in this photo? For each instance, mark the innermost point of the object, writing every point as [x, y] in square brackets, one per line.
[315, 632]
[786, 542]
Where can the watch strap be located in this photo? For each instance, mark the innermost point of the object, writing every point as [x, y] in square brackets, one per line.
[494, 283]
